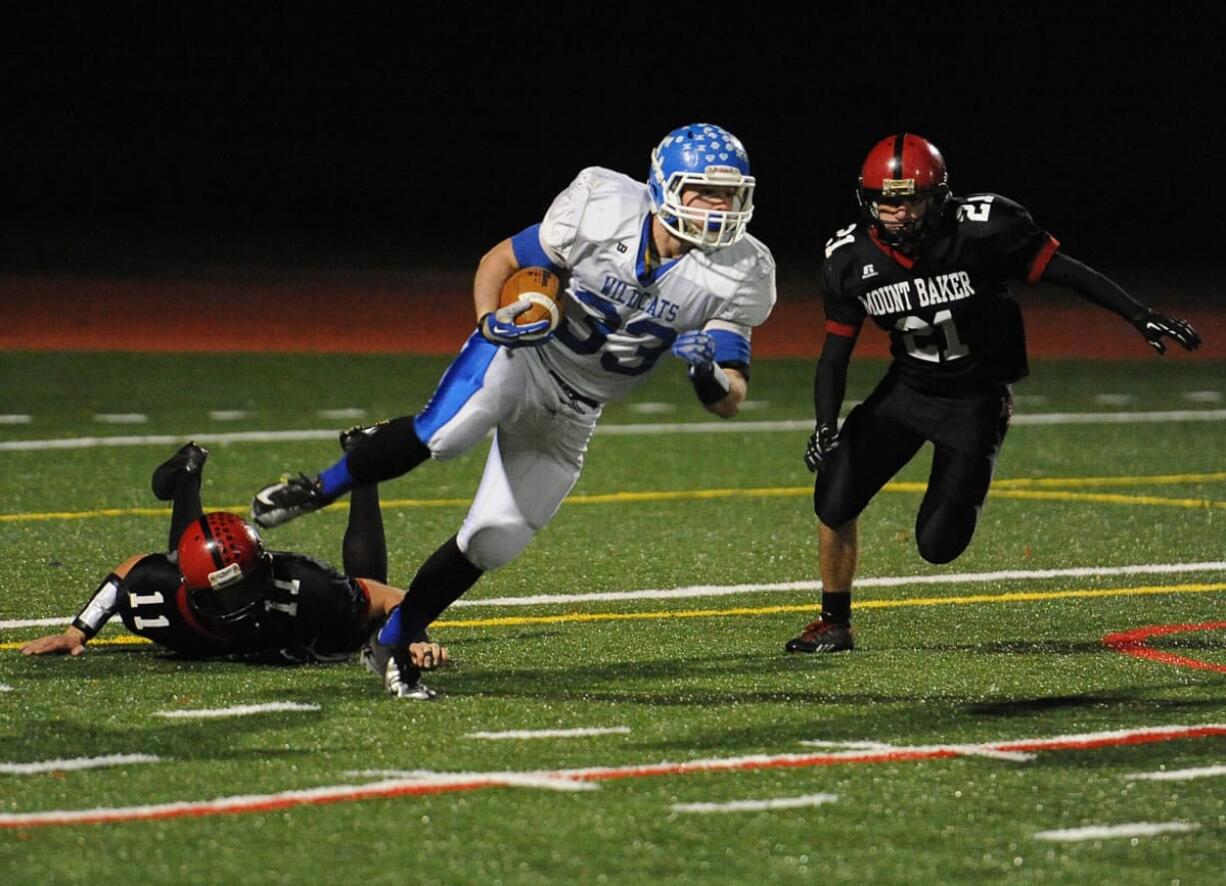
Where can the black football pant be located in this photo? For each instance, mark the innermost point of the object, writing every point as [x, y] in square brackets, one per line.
[885, 432]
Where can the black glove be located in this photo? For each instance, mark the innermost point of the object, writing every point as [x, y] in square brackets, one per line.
[822, 444]
[1154, 326]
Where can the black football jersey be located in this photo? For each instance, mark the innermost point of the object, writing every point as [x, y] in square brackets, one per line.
[310, 612]
[954, 328]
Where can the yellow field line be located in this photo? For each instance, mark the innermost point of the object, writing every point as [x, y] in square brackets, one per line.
[1013, 597]
[1110, 498]
[811, 607]
[117, 640]
[1150, 480]
[1022, 488]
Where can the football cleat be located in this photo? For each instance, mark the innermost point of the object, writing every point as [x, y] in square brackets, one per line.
[400, 677]
[351, 437]
[289, 499]
[188, 460]
[822, 636]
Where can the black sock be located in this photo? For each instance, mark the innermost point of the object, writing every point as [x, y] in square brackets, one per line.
[185, 507]
[836, 607]
[440, 581]
[364, 548]
[392, 450]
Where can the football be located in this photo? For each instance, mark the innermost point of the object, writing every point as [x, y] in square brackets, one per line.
[538, 287]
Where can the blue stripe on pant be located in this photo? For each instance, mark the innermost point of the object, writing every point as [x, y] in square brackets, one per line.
[463, 378]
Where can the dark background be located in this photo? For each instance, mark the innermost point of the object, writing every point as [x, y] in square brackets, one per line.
[149, 138]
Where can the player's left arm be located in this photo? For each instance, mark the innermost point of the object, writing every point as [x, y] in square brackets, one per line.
[1102, 290]
[718, 355]
[1034, 255]
[717, 358]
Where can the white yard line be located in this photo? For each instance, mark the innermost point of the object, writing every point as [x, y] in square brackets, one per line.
[804, 425]
[242, 710]
[963, 750]
[526, 734]
[121, 418]
[413, 783]
[75, 764]
[1179, 774]
[692, 591]
[1107, 832]
[879, 582]
[542, 780]
[757, 805]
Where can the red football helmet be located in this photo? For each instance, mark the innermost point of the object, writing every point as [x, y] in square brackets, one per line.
[900, 168]
[224, 565]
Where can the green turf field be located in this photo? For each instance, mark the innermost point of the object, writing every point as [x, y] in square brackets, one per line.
[977, 716]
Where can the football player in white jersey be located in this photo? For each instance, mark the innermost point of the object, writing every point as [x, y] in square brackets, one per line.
[651, 268]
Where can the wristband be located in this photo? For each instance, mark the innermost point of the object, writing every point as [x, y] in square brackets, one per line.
[100, 608]
[710, 382]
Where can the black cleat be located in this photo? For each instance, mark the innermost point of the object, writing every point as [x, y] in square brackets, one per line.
[188, 460]
[351, 437]
[400, 676]
[822, 636]
[281, 502]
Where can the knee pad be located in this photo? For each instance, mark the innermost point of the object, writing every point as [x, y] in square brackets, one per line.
[944, 531]
[492, 546]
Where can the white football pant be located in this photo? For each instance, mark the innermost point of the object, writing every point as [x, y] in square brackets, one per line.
[541, 436]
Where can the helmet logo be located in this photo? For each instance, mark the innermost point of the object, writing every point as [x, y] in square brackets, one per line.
[225, 577]
[894, 186]
[729, 172]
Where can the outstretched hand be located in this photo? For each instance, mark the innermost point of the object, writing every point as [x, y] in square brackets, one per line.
[1155, 327]
[55, 644]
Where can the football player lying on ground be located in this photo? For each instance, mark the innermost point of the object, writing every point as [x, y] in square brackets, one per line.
[654, 266]
[932, 270]
[218, 593]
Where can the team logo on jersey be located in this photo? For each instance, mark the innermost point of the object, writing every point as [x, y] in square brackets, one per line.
[869, 271]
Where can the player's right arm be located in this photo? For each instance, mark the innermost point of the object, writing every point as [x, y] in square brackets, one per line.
[844, 318]
[101, 606]
[495, 268]
[542, 245]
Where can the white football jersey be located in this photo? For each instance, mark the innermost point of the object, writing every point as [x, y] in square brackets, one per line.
[621, 316]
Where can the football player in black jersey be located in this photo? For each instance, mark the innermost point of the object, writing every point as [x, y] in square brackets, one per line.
[218, 593]
[933, 271]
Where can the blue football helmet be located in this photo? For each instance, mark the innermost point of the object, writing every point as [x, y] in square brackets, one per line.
[701, 156]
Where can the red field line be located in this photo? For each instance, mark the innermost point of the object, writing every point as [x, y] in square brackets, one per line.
[1134, 643]
[474, 781]
[385, 316]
